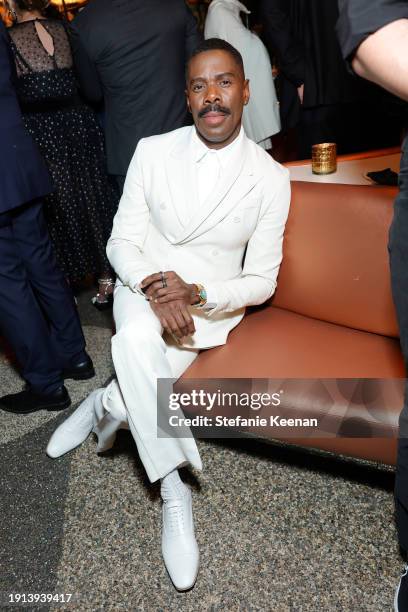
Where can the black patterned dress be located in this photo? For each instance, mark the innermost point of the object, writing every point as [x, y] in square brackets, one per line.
[80, 211]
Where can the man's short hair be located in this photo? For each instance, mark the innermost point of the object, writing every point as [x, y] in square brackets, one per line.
[217, 44]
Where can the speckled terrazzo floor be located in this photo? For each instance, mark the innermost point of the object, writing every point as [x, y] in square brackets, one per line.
[278, 529]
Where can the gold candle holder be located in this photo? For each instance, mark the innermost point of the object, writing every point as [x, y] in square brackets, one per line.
[324, 158]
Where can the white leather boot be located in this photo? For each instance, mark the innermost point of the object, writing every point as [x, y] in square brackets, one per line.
[89, 416]
[179, 546]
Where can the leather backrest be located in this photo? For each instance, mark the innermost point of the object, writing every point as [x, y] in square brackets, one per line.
[335, 259]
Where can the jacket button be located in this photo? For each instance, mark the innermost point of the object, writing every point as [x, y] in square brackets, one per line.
[163, 206]
[215, 253]
[236, 219]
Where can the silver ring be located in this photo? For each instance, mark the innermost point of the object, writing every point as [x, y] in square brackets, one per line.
[163, 280]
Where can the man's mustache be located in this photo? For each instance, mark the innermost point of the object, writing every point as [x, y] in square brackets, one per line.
[214, 108]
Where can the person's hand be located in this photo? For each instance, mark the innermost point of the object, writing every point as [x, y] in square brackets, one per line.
[176, 289]
[174, 318]
[300, 91]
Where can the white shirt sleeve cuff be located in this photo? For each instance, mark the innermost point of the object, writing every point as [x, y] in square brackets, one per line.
[212, 298]
[137, 289]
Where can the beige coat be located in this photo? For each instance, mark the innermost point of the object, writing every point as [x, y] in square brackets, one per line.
[261, 116]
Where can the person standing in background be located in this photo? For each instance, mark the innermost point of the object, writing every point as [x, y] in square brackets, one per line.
[132, 54]
[79, 213]
[319, 99]
[37, 311]
[374, 37]
[261, 115]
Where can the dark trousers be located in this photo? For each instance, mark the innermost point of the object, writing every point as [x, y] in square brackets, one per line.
[317, 125]
[398, 246]
[38, 315]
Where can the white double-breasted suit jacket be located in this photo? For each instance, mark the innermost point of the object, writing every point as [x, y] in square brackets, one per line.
[231, 243]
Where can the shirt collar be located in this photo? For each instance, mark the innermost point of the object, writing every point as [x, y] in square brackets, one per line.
[200, 150]
[241, 7]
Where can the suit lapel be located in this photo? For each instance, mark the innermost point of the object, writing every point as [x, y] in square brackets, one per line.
[181, 180]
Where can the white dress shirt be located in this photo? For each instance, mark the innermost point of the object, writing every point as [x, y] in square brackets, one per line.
[210, 163]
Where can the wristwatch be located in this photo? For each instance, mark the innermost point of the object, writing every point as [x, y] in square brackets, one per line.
[202, 295]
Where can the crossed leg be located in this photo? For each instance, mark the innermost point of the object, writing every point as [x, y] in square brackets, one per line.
[141, 356]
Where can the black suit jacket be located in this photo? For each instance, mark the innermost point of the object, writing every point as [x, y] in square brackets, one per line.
[23, 174]
[302, 34]
[132, 53]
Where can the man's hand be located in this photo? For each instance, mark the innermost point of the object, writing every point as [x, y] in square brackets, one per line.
[176, 289]
[301, 90]
[174, 318]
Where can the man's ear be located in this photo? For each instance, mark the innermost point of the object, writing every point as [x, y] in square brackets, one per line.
[246, 92]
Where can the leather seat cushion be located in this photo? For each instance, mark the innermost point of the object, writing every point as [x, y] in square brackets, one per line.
[274, 343]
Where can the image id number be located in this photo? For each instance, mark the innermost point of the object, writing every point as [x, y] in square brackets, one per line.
[39, 597]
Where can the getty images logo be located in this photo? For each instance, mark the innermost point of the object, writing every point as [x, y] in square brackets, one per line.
[219, 399]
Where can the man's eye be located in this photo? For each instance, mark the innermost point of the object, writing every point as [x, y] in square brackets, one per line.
[225, 82]
[197, 87]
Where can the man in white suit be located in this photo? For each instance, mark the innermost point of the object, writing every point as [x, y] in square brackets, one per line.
[197, 238]
[261, 118]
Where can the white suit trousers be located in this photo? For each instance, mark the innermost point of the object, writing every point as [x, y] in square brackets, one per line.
[141, 356]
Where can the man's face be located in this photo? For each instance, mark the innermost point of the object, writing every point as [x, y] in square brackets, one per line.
[216, 93]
